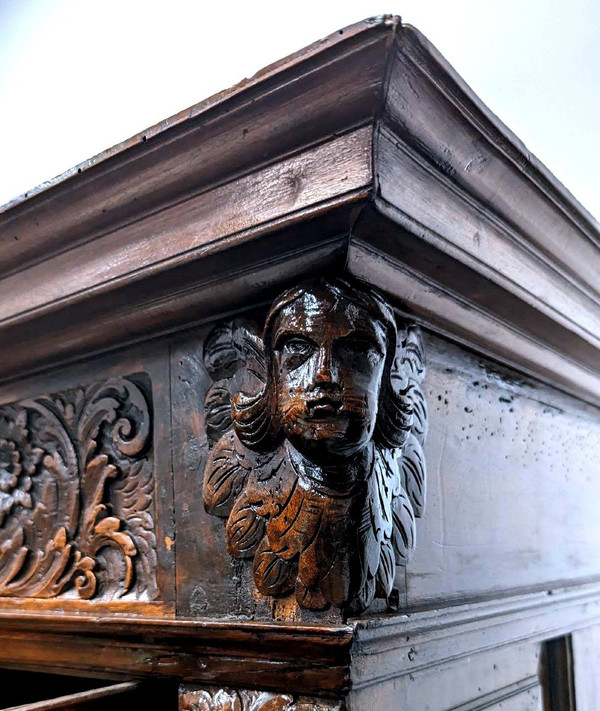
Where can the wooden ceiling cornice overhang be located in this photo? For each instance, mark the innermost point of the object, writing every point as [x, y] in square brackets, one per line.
[364, 152]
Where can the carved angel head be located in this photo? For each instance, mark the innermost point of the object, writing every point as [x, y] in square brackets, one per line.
[309, 464]
[329, 351]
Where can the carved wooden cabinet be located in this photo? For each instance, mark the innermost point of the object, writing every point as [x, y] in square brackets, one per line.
[299, 406]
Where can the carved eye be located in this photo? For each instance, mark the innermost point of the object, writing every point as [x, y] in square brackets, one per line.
[294, 350]
[358, 348]
[356, 344]
[298, 346]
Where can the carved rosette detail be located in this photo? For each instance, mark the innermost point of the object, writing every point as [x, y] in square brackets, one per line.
[316, 428]
[76, 502]
[244, 700]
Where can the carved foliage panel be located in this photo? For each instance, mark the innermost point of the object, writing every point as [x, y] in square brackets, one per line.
[316, 424]
[76, 494]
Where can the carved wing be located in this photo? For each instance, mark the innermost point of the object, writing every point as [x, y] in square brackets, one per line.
[386, 530]
[333, 546]
[234, 358]
[395, 484]
[411, 371]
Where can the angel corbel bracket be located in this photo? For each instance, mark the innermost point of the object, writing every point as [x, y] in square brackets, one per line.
[317, 427]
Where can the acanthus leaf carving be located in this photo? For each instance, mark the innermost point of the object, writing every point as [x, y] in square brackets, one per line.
[317, 429]
[248, 700]
[78, 471]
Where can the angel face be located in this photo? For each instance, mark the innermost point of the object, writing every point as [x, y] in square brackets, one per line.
[328, 362]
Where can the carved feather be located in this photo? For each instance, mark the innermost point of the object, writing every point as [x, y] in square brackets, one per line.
[411, 370]
[224, 476]
[272, 574]
[331, 547]
[245, 528]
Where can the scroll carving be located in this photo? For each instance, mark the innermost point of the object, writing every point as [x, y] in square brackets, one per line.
[316, 428]
[243, 700]
[76, 494]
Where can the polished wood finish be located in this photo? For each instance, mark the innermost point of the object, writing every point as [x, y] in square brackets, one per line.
[215, 416]
[317, 429]
[77, 482]
[192, 699]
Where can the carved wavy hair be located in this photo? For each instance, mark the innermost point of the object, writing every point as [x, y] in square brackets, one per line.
[255, 417]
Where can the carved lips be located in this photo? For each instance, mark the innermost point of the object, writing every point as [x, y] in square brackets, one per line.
[323, 406]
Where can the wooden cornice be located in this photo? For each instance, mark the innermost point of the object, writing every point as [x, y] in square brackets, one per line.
[365, 152]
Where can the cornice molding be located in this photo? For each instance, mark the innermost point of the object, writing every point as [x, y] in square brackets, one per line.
[364, 153]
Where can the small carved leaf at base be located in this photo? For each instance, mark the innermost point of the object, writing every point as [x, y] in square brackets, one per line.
[310, 598]
[224, 477]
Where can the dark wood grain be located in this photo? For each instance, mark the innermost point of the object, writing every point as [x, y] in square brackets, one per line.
[327, 89]
[316, 431]
[298, 658]
[212, 406]
[558, 674]
[194, 699]
[86, 486]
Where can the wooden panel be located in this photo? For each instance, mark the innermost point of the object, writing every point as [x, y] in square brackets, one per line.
[503, 452]
[586, 667]
[470, 682]
[208, 580]
[88, 527]
[391, 647]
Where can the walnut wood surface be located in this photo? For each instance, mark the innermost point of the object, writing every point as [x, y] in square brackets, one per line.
[317, 429]
[192, 699]
[86, 487]
[298, 658]
[77, 493]
[114, 254]
[138, 386]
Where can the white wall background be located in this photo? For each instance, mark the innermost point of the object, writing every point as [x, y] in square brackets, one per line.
[77, 76]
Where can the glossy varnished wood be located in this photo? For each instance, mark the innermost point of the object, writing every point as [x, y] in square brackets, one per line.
[211, 369]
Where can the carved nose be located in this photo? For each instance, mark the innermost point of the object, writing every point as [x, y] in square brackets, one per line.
[325, 371]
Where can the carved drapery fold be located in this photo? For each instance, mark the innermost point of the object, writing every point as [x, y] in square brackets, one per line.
[316, 428]
[76, 494]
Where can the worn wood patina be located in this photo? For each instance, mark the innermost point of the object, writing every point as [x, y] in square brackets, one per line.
[299, 406]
